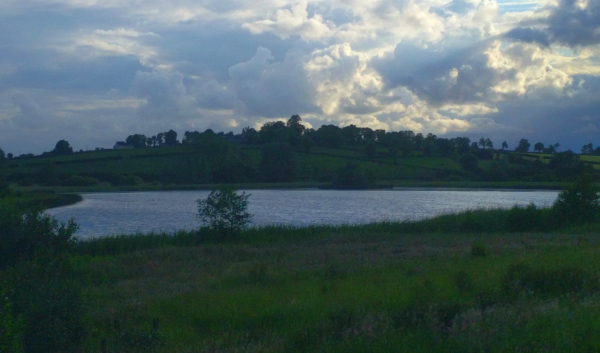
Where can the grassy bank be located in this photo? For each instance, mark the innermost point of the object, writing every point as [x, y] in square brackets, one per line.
[469, 282]
[343, 293]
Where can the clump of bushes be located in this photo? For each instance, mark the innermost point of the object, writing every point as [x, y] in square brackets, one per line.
[42, 309]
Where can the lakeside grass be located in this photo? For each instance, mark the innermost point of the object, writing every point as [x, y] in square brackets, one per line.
[454, 283]
[341, 293]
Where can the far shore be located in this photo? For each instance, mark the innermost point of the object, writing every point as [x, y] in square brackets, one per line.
[409, 185]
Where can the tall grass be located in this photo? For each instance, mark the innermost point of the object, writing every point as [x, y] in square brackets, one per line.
[517, 219]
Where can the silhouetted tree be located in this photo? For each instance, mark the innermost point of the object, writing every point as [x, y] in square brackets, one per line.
[504, 145]
[429, 145]
[538, 147]
[273, 131]
[578, 203]
[2, 156]
[250, 135]
[461, 145]
[352, 135]
[587, 149]
[368, 134]
[489, 144]
[136, 140]
[62, 148]
[329, 136]
[523, 146]
[294, 123]
[171, 137]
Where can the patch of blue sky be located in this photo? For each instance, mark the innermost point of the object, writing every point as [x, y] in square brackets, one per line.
[517, 5]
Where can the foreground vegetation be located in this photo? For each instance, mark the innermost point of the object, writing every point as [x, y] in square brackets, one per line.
[522, 280]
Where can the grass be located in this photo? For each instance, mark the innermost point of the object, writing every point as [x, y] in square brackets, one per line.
[341, 293]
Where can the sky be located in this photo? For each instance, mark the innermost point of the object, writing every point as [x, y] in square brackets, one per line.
[95, 71]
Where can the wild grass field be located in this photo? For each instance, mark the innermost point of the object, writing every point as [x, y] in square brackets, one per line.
[492, 280]
[350, 290]
[484, 280]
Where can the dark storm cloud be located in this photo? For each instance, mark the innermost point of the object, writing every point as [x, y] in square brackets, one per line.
[570, 23]
[529, 35]
[575, 25]
[460, 76]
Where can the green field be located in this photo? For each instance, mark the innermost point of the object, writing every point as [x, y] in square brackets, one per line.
[338, 291]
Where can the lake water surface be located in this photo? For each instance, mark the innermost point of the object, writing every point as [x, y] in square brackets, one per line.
[102, 214]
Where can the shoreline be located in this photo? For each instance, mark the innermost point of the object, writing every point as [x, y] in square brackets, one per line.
[434, 185]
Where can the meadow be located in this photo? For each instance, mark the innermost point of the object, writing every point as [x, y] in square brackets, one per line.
[469, 282]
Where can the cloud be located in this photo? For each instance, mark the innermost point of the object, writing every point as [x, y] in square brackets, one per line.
[164, 94]
[272, 89]
[107, 69]
[575, 22]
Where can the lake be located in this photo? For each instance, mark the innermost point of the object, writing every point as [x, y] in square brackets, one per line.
[101, 214]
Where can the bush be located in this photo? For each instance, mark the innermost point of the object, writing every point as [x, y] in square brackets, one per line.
[42, 312]
[224, 210]
[29, 233]
[578, 203]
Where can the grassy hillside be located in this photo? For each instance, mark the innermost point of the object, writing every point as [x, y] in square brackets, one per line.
[189, 166]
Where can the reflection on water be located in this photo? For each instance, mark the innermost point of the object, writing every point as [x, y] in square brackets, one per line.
[118, 213]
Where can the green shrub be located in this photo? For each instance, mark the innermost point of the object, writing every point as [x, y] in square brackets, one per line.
[578, 203]
[26, 233]
[528, 219]
[225, 211]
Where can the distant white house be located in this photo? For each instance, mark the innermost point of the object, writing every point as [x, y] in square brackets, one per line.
[120, 145]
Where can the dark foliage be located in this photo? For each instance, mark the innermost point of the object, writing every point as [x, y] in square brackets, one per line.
[351, 176]
[277, 162]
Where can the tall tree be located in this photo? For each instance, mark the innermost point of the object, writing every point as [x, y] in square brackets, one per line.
[62, 147]
[136, 140]
[538, 147]
[295, 124]
[171, 138]
[489, 144]
[587, 149]
[523, 146]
